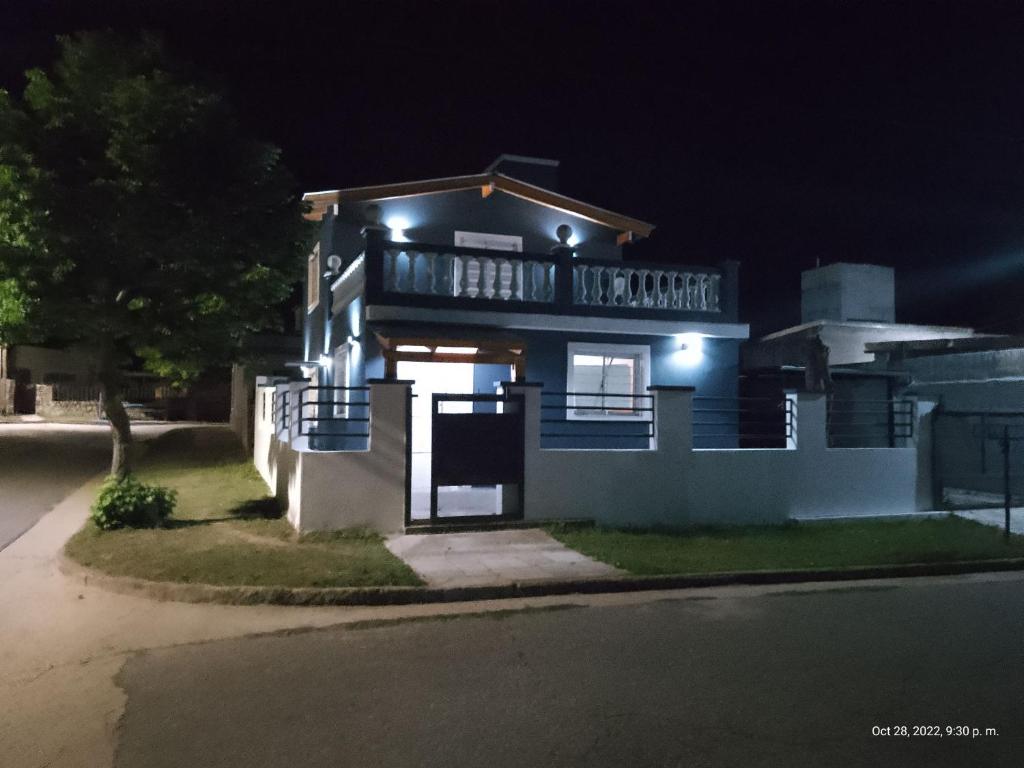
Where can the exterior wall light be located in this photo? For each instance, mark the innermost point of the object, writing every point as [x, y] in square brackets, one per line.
[398, 225]
[691, 349]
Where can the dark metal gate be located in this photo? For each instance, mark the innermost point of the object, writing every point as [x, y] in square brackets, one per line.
[477, 448]
[978, 459]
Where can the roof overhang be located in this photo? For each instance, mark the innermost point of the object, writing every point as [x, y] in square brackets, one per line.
[627, 227]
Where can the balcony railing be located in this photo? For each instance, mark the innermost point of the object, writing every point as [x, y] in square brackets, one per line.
[427, 274]
[468, 273]
[648, 286]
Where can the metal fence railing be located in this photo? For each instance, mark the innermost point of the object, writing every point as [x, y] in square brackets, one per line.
[857, 423]
[332, 418]
[743, 422]
[978, 459]
[596, 420]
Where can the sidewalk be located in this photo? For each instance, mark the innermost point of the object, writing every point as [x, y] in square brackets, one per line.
[491, 558]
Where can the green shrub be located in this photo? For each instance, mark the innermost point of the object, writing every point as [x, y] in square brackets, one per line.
[128, 503]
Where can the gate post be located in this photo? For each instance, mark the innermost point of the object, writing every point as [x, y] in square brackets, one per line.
[531, 437]
[391, 445]
[673, 418]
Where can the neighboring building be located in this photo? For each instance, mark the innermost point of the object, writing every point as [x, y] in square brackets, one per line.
[23, 366]
[845, 309]
[846, 306]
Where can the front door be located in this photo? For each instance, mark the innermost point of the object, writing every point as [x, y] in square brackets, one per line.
[429, 379]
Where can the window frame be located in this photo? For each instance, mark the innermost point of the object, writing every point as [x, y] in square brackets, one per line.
[313, 279]
[641, 380]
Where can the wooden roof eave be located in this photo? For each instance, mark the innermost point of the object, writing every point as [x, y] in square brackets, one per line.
[628, 227]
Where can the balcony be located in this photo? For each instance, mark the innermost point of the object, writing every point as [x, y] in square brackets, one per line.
[445, 276]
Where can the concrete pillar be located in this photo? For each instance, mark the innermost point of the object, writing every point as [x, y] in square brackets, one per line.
[391, 448]
[811, 423]
[673, 420]
[924, 416]
[531, 443]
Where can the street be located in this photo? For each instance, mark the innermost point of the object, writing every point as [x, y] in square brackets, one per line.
[42, 463]
[789, 678]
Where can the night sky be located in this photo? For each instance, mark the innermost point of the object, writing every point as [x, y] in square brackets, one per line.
[773, 133]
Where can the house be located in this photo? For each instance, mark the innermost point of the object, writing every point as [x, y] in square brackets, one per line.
[481, 348]
[461, 284]
[846, 309]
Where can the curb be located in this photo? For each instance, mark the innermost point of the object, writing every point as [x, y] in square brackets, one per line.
[363, 596]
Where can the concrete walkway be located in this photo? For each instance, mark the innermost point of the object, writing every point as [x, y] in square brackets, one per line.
[489, 558]
[996, 517]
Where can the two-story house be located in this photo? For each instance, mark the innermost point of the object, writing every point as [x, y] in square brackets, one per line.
[459, 284]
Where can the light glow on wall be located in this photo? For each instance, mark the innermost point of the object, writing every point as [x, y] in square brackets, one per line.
[691, 349]
[398, 225]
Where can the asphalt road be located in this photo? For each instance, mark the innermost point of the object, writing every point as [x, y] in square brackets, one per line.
[40, 464]
[784, 680]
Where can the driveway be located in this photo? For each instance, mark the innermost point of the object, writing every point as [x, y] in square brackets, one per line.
[42, 463]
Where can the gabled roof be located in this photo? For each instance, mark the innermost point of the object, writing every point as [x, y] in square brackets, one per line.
[487, 183]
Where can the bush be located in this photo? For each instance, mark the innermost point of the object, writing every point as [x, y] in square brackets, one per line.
[128, 503]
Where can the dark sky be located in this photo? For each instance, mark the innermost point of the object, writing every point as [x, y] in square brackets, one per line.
[773, 133]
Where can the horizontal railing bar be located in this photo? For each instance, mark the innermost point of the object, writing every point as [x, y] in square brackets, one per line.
[564, 407]
[592, 437]
[649, 265]
[334, 419]
[335, 434]
[351, 403]
[459, 250]
[596, 394]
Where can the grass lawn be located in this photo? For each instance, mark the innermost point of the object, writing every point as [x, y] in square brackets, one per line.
[227, 530]
[793, 546]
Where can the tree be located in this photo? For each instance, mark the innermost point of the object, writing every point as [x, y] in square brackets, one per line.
[138, 217]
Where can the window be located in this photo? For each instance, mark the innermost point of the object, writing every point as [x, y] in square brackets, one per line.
[603, 380]
[313, 279]
[342, 378]
[492, 243]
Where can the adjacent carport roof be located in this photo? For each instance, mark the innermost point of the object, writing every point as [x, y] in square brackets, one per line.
[487, 183]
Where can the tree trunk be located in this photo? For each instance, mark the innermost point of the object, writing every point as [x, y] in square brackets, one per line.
[120, 424]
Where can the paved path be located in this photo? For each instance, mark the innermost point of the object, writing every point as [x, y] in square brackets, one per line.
[996, 517]
[791, 678]
[493, 557]
[40, 464]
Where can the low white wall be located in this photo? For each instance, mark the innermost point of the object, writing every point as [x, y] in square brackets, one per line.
[325, 490]
[672, 484]
[675, 485]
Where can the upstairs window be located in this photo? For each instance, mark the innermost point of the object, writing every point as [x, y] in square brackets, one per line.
[313, 279]
[604, 379]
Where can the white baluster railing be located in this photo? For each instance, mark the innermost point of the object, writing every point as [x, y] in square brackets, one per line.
[601, 285]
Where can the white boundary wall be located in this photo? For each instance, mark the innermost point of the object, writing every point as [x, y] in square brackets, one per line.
[325, 490]
[675, 485]
[671, 484]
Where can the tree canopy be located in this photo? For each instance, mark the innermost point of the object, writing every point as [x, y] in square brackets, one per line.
[138, 216]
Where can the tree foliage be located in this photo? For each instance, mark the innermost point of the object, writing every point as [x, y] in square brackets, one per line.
[137, 215]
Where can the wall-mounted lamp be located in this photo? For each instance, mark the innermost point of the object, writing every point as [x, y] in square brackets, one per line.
[398, 225]
[691, 348]
[333, 265]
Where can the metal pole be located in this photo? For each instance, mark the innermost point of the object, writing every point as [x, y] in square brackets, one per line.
[1006, 480]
